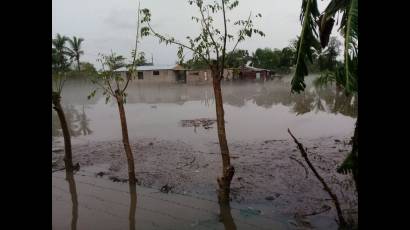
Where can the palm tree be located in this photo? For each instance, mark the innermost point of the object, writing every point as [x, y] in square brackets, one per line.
[59, 53]
[75, 50]
[60, 66]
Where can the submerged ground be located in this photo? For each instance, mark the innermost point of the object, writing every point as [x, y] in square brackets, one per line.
[272, 181]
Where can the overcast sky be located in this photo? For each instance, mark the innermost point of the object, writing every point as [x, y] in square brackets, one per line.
[111, 24]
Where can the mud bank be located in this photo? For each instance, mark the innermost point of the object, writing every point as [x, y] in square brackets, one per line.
[269, 173]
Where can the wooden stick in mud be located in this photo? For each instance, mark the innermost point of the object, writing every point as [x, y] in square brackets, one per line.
[302, 150]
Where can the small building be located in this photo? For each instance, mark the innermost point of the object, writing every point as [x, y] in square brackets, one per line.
[252, 73]
[158, 74]
[204, 76]
[197, 77]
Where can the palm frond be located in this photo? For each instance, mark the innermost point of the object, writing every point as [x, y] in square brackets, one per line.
[351, 50]
[335, 6]
[306, 45]
[326, 20]
[325, 29]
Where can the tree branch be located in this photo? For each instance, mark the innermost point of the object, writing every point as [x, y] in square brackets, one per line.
[136, 51]
[306, 170]
[209, 32]
[239, 38]
[302, 150]
[177, 43]
[224, 46]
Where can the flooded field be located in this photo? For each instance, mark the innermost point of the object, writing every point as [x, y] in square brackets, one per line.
[270, 189]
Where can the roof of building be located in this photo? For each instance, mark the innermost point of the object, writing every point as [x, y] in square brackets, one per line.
[153, 67]
[255, 69]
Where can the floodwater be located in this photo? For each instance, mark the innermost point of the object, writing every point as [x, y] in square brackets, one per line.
[253, 111]
[257, 115]
[85, 202]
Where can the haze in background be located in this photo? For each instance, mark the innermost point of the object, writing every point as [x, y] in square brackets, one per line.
[111, 24]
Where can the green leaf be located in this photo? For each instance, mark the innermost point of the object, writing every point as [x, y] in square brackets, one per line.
[350, 56]
[307, 43]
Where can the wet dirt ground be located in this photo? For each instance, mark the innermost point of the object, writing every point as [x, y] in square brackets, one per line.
[269, 173]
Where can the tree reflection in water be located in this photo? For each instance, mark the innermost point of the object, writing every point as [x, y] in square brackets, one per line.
[74, 199]
[84, 123]
[78, 123]
[225, 216]
[133, 206]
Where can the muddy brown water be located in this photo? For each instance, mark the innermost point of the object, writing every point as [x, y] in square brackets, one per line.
[257, 115]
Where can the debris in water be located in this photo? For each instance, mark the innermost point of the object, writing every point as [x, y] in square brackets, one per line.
[206, 123]
[101, 174]
[166, 188]
[116, 179]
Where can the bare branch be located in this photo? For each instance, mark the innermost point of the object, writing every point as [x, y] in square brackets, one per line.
[239, 38]
[300, 163]
[177, 43]
[136, 40]
[136, 51]
[302, 150]
[209, 32]
[224, 46]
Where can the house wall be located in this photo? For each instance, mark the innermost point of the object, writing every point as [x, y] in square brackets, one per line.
[165, 76]
[198, 77]
[251, 75]
[228, 74]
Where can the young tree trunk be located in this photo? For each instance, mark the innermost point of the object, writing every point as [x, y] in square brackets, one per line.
[74, 199]
[228, 170]
[125, 140]
[68, 159]
[133, 206]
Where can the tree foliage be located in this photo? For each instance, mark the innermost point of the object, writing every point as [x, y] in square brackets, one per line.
[276, 60]
[75, 49]
[237, 58]
[314, 23]
[345, 75]
[61, 60]
[210, 44]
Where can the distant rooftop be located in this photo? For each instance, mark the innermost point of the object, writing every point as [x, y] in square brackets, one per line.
[255, 69]
[153, 67]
